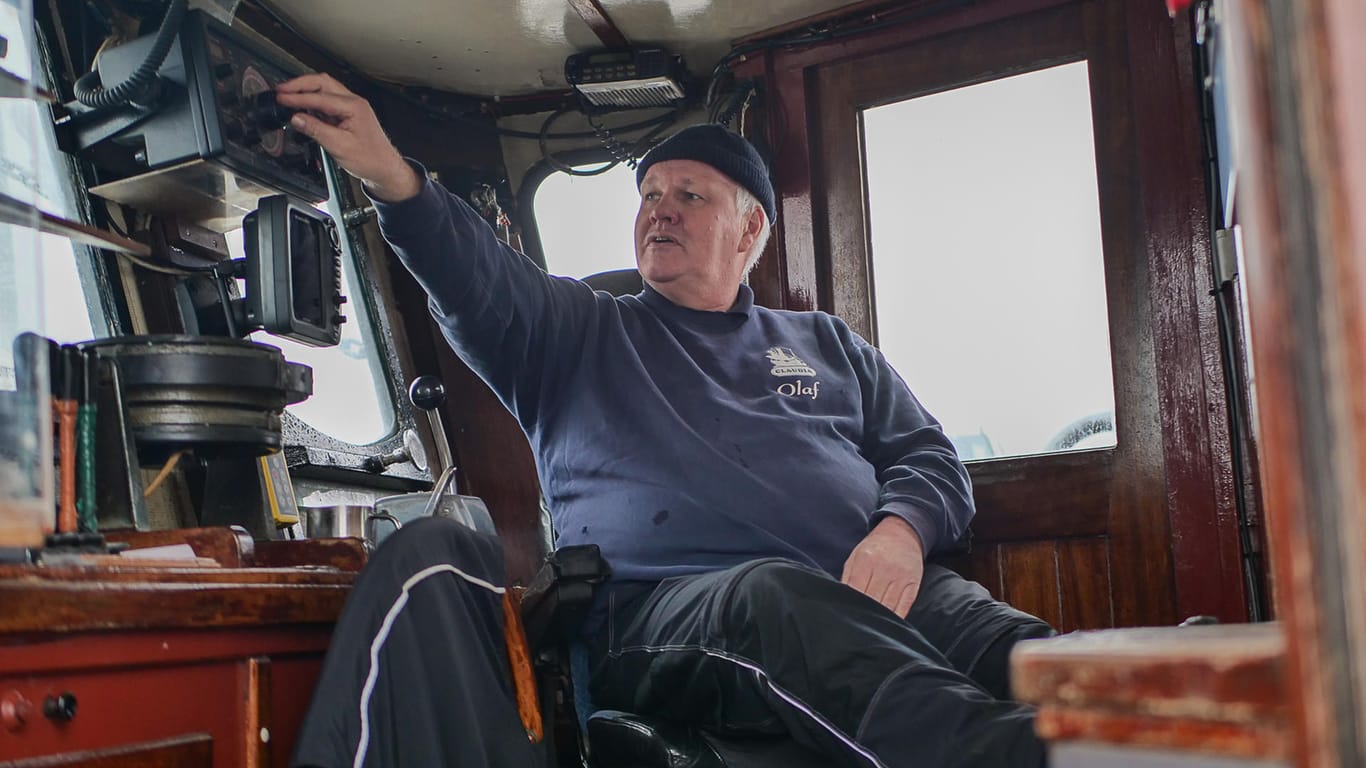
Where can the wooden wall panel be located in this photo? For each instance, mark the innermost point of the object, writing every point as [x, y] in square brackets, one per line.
[1069, 496]
[1197, 462]
[1064, 582]
[1031, 579]
[1084, 584]
[982, 565]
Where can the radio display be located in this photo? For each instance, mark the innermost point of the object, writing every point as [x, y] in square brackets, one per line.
[609, 58]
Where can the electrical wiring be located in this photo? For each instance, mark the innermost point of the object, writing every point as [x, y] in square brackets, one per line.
[1226, 312]
[560, 165]
[620, 154]
[143, 83]
[161, 268]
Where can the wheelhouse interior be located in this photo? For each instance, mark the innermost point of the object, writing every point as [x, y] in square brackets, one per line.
[1116, 246]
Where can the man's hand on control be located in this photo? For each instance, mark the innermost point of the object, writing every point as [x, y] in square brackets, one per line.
[351, 134]
[888, 565]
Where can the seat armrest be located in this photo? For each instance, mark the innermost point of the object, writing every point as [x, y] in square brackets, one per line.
[561, 592]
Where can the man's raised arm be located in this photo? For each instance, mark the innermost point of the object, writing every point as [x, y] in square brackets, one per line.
[351, 134]
[510, 322]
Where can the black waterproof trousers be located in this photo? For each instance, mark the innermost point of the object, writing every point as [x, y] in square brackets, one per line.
[773, 646]
[417, 673]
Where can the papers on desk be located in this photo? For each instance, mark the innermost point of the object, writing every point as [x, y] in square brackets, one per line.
[165, 552]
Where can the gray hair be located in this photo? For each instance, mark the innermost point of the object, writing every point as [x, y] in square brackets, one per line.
[745, 201]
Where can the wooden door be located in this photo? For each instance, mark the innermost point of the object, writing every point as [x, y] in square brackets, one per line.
[1299, 118]
[1141, 533]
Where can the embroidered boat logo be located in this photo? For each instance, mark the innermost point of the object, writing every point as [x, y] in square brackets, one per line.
[786, 363]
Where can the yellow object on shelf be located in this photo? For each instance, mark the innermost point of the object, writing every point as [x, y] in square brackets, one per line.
[279, 491]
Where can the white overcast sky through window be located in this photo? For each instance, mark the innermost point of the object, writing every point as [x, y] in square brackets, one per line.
[987, 267]
[587, 223]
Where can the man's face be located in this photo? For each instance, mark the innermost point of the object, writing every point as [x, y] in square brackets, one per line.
[688, 230]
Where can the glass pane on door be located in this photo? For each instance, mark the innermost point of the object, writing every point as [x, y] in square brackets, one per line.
[988, 275]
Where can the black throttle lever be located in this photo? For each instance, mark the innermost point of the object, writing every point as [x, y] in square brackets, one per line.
[427, 393]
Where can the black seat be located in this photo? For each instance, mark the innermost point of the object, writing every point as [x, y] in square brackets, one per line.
[552, 608]
[618, 282]
[624, 740]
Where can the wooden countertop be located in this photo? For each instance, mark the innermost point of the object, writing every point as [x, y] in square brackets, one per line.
[1215, 689]
[245, 583]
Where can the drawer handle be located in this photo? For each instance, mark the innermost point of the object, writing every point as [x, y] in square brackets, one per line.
[61, 707]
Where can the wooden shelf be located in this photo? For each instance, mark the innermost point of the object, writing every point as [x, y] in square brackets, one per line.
[17, 212]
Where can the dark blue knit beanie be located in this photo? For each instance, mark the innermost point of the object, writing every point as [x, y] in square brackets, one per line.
[723, 150]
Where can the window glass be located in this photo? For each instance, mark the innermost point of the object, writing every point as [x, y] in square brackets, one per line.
[587, 223]
[41, 289]
[351, 400]
[987, 266]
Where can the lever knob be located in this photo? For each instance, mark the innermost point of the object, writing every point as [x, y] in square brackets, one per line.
[427, 393]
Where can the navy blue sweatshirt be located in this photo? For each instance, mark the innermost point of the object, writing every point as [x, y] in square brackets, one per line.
[682, 441]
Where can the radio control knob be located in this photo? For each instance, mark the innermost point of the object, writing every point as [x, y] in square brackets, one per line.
[267, 113]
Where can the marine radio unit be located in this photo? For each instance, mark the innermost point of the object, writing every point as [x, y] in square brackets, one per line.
[627, 77]
[213, 140]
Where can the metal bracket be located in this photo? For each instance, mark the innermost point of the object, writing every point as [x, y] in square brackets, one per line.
[1227, 244]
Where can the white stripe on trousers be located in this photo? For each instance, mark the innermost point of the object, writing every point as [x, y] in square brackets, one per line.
[763, 677]
[378, 643]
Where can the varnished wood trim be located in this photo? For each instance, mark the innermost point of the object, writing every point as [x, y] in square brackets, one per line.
[1298, 191]
[46, 653]
[1253, 741]
[70, 607]
[1196, 460]
[1232, 673]
[1139, 525]
[1068, 495]
[255, 673]
[15, 577]
[230, 547]
[593, 14]
[345, 554]
[190, 751]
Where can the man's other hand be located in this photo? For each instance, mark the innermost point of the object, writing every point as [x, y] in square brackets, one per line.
[345, 125]
[888, 565]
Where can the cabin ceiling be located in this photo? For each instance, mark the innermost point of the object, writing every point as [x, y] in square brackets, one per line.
[503, 48]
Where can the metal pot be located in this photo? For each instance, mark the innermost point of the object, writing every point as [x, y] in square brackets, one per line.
[346, 520]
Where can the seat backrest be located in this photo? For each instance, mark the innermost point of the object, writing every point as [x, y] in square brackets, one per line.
[618, 282]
